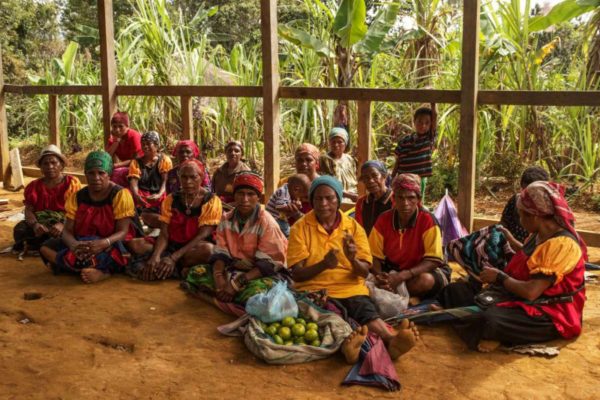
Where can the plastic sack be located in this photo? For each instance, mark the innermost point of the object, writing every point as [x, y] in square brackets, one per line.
[334, 330]
[274, 305]
[388, 304]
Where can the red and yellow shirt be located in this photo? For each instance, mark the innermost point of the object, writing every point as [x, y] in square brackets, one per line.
[185, 223]
[42, 198]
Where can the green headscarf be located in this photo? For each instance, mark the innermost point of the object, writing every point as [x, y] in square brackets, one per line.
[99, 160]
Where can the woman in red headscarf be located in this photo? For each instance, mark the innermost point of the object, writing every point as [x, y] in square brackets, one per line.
[540, 294]
[185, 150]
[406, 243]
[124, 145]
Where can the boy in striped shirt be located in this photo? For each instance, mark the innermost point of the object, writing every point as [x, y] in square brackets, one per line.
[413, 152]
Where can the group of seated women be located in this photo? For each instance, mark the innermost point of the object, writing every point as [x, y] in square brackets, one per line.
[96, 231]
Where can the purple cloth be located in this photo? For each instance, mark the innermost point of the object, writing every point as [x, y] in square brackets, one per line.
[450, 225]
[119, 176]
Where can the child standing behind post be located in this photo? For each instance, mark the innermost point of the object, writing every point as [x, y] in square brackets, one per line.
[413, 153]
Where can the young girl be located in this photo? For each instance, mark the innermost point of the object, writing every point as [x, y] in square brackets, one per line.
[339, 164]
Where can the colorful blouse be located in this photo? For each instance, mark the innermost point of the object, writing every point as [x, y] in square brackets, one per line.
[413, 154]
[403, 247]
[310, 242]
[559, 260]
[344, 169]
[185, 223]
[42, 198]
[98, 218]
[282, 197]
[368, 209]
[130, 146]
[258, 239]
[150, 177]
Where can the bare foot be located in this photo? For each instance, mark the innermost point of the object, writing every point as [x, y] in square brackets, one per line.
[435, 307]
[487, 346]
[352, 344]
[93, 275]
[405, 339]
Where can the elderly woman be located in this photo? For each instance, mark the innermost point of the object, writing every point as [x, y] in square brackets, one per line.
[329, 250]
[185, 150]
[188, 219]
[540, 294]
[378, 199]
[340, 164]
[124, 145]
[407, 241]
[223, 177]
[250, 248]
[97, 222]
[45, 202]
[306, 158]
[148, 179]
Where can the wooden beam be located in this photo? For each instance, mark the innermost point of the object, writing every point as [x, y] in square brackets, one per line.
[590, 238]
[365, 147]
[57, 90]
[54, 120]
[196, 91]
[4, 154]
[390, 95]
[270, 93]
[187, 118]
[468, 112]
[108, 64]
[540, 98]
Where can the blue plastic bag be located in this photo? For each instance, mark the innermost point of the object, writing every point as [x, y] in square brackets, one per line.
[274, 305]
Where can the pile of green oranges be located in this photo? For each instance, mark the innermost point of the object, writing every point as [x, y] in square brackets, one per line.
[293, 331]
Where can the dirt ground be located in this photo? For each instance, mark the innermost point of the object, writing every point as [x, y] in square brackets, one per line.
[123, 339]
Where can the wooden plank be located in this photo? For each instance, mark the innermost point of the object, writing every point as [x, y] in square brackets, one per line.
[54, 120]
[365, 94]
[365, 147]
[270, 94]
[17, 180]
[468, 112]
[541, 98]
[108, 64]
[195, 91]
[4, 156]
[187, 118]
[34, 172]
[54, 90]
[590, 238]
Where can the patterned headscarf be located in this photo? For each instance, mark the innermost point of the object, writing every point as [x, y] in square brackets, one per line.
[250, 180]
[197, 164]
[378, 165]
[545, 199]
[330, 181]
[307, 148]
[99, 160]
[338, 131]
[120, 117]
[186, 143]
[151, 136]
[410, 182]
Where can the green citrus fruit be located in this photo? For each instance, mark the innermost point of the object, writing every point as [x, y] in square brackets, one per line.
[298, 330]
[316, 343]
[277, 339]
[276, 325]
[301, 321]
[271, 330]
[299, 340]
[285, 333]
[311, 335]
[288, 321]
[263, 325]
[288, 343]
[312, 325]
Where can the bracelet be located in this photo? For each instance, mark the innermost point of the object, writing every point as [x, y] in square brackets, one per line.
[234, 285]
[108, 241]
[500, 278]
[218, 273]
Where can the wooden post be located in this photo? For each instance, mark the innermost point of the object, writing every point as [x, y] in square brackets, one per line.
[468, 112]
[4, 155]
[365, 147]
[108, 64]
[187, 118]
[270, 62]
[54, 120]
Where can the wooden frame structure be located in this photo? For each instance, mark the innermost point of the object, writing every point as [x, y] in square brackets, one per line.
[468, 97]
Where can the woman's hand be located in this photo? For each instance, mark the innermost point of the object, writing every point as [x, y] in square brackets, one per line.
[330, 260]
[349, 247]
[488, 274]
[39, 229]
[225, 292]
[165, 268]
[149, 270]
[56, 229]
